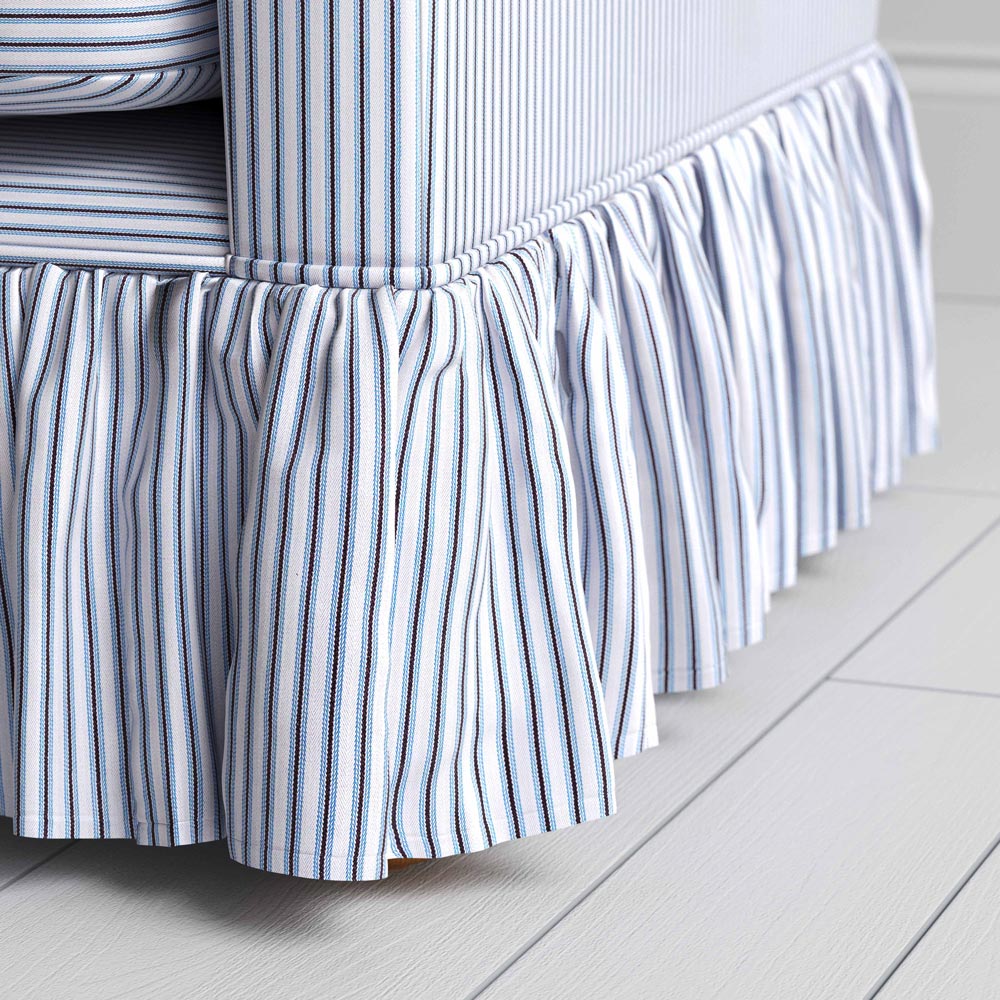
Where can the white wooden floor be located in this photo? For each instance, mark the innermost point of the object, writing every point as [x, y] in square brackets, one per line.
[821, 827]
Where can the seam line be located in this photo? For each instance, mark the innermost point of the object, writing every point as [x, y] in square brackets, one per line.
[932, 920]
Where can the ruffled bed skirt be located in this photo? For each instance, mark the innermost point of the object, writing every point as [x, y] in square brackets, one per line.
[344, 575]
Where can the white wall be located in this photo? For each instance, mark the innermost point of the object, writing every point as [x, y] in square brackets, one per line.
[949, 54]
[942, 24]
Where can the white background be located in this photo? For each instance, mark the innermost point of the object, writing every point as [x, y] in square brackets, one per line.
[949, 52]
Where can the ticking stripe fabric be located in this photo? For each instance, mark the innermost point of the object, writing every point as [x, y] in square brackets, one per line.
[406, 143]
[67, 93]
[349, 574]
[79, 55]
[133, 190]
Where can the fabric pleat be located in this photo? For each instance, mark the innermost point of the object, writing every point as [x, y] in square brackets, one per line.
[351, 574]
[685, 643]
[710, 398]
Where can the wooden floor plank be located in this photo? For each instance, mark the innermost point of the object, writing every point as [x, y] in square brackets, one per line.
[19, 855]
[949, 637]
[968, 369]
[959, 956]
[150, 923]
[804, 871]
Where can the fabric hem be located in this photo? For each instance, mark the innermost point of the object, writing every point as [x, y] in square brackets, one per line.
[29, 826]
[247, 852]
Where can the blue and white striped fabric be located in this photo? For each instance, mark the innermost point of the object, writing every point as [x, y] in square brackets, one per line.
[350, 574]
[67, 93]
[407, 143]
[133, 190]
[80, 55]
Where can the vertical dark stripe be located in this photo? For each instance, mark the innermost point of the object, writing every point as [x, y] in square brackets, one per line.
[156, 573]
[416, 612]
[393, 112]
[361, 134]
[48, 653]
[183, 388]
[111, 514]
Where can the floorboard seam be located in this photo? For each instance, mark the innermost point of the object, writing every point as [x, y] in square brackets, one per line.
[933, 919]
[913, 687]
[955, 491]
[630, 853]
[38, 864]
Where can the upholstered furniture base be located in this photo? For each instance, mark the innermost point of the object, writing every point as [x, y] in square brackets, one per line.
[352, 574]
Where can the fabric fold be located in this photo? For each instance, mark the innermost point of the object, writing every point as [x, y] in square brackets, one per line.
[351, 574]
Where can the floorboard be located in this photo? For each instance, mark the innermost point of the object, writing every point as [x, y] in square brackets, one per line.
[959, 956]
[949, 637]
[19, 855]
[803, 871]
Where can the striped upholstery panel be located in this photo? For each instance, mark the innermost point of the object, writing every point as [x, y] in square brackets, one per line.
[80, 55]
[134, 190]
[65, 93]
[376, 141]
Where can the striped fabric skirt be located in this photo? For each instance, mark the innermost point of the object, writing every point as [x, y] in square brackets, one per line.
[345, 575]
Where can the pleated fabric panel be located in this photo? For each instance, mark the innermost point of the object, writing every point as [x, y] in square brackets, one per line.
[344, 575]
[196, 491]
[503, 728]
[686, 647]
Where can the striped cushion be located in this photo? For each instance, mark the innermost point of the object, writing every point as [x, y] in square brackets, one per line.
[82, 56]
[135, 190]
